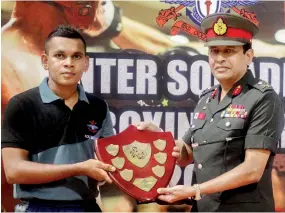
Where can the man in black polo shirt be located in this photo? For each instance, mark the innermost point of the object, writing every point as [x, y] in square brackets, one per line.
[48, 133]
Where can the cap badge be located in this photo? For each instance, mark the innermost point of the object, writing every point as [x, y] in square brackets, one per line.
[220, 28]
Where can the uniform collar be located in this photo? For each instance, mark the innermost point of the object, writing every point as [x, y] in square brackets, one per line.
[248, 78]
[48, 96]
[236, 90]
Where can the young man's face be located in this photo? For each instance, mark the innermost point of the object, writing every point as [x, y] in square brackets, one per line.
[65, 60]
[229, 63]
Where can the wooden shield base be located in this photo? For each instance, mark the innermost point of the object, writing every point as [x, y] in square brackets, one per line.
[139, 181]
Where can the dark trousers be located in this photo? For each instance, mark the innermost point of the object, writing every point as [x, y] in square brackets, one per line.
[36, 205]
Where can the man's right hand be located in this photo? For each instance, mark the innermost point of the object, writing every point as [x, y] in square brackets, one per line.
[97, 170]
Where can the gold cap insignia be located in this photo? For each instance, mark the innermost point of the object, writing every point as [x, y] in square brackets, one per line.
[220, 28]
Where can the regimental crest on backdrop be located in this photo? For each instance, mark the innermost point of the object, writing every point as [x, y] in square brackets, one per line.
[197, 10]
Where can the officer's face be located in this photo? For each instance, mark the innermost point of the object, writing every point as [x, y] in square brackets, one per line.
[65, 60]
[229, 63]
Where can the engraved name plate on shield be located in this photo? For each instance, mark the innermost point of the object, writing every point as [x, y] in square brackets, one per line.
[142, 159]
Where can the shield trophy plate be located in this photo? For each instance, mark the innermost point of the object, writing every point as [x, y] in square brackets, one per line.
[143, 161]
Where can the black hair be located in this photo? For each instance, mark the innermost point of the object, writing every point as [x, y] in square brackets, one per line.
[65, 32]
[246, 47]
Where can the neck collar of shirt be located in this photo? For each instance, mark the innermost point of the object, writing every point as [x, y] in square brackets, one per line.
[48, 96]
[248, 78]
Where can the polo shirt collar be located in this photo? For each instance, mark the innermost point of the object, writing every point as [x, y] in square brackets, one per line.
[48, 96]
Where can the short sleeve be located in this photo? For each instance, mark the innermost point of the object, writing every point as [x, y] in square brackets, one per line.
[187, 137]
[16, 129]
[266, 123]
[107, 127]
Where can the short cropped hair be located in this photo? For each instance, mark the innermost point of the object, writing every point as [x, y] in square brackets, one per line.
[65, 32]
[246, 47]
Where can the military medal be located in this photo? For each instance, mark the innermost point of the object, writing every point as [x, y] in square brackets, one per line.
[234, 111]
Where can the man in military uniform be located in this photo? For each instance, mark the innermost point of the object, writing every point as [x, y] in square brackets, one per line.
[236, 127]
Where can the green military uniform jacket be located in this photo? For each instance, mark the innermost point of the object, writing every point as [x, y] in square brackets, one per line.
[250, 116]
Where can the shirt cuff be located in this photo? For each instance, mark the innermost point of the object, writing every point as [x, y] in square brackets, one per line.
[261, 142]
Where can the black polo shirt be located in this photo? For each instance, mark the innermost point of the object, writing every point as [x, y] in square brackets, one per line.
[39, 122]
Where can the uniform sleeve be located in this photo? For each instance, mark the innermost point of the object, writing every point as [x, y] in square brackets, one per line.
[107, 127]
[266, 123]
[16, 129]
[187, 137]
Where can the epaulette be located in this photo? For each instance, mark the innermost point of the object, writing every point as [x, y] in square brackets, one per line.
[204, 92]
[262, 86]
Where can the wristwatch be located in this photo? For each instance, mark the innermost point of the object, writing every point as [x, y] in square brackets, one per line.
[198, 192]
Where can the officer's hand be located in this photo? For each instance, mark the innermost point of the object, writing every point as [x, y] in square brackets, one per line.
[148, 126]
[175, 193]
[177, 150]
[97, 170]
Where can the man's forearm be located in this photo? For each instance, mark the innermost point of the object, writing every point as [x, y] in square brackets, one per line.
[26, 172]
[240, 176]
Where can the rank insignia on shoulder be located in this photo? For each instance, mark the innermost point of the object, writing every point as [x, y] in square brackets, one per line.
[263, 86]
[204, 92]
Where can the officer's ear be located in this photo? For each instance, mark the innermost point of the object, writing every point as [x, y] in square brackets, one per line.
[249, 56]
